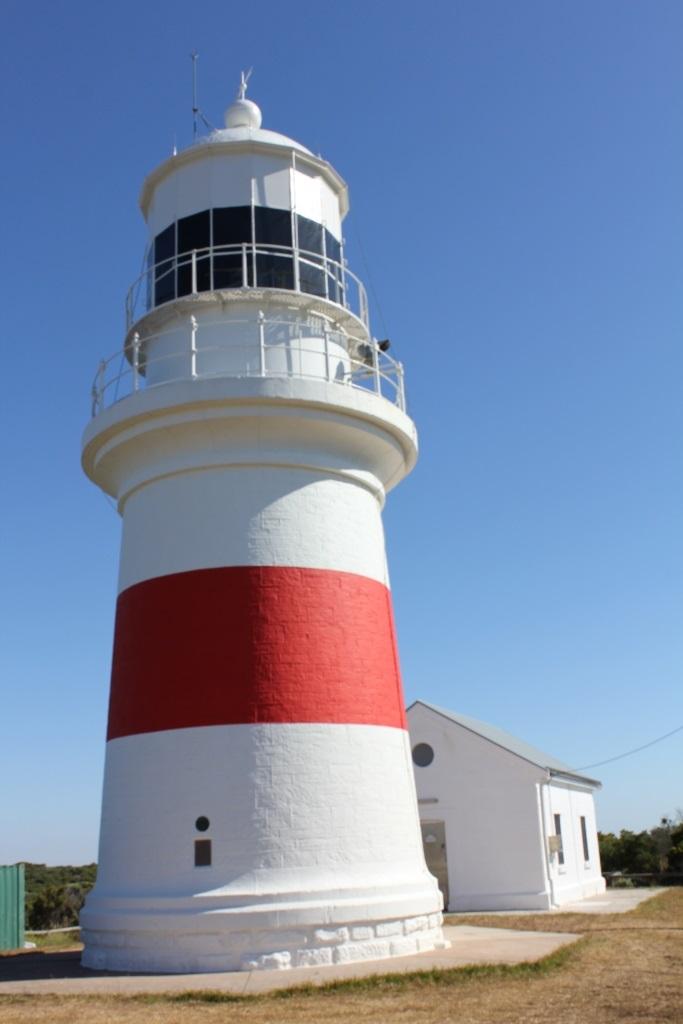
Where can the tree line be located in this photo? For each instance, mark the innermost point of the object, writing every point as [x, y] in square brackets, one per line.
[658, 851]
[55, 895]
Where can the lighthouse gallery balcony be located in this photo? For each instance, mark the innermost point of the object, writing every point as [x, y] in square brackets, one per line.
[313, 345]
[245, 247]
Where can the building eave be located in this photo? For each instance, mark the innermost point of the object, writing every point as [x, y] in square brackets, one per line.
[560, 775]
[573, 777]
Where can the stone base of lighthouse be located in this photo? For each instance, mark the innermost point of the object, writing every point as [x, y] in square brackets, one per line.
[197, 950]
[286, 886]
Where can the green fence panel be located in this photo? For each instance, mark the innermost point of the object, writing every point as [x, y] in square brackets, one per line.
[12, 901]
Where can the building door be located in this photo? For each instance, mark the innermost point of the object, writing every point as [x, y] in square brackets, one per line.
[434, 843]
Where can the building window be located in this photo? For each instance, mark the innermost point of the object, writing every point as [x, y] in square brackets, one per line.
[558, 833]
[423, 755]
[202, 853]
[584, 839]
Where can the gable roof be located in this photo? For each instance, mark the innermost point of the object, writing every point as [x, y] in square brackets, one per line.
[508, 742]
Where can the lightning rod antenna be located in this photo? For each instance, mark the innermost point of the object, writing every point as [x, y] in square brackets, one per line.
[196, 112]
[195, 109]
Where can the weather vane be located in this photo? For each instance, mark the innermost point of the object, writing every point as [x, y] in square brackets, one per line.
[244, 80]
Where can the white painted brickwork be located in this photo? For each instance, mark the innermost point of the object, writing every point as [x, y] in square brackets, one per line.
[291, 846]
[262, 788]
[243, 516]
[187, 427]
[232, 482]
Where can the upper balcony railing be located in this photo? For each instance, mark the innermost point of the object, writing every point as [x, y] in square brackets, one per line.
[212, 348]
[251, 265]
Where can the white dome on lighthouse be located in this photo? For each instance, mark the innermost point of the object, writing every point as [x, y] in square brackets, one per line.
[243, 120]
[243, 113]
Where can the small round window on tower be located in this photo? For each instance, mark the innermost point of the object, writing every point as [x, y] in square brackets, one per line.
[423, 754]
[202, 823]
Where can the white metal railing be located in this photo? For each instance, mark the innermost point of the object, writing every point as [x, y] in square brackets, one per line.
[261, 348]
[249, 265]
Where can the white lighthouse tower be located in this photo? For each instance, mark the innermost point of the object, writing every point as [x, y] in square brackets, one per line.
[259, 808]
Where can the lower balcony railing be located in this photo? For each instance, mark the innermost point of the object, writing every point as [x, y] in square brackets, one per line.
[201, 349]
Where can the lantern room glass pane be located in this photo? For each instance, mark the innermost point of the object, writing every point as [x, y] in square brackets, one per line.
[310, 234]
[273, 227]
[194, 232]
[164, 282]
[231, 225]
[202, 269]
[274, 270]
[332, 247]
[228, 271]
[149, 276]
[164, 244]
[311, 279]
[333, 288]
[164, 271]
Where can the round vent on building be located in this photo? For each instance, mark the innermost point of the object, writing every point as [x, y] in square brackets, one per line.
[202, 823]
[423, 755]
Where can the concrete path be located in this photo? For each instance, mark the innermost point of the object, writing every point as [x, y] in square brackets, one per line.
[612, 901]
[43, 973]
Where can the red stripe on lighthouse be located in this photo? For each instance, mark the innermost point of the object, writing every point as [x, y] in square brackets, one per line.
[254, 644]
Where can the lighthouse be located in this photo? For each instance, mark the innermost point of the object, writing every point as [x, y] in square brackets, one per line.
[259, 809]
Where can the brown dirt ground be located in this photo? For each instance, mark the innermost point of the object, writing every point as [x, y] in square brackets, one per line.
[627, 970]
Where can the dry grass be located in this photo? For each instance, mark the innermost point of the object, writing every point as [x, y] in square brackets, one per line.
[627, 970]
[51, 942]
[56, 941]
[660, 910]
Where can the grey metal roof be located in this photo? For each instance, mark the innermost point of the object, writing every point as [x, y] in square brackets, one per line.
[507, 742]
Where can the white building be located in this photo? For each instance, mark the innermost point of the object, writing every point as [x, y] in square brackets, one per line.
[505, 826]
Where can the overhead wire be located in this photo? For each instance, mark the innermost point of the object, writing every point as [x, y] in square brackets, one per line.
[371, 284]
[627, 753]
[110, 502]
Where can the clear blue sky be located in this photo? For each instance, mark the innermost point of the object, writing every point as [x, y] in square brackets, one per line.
[515, 173]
